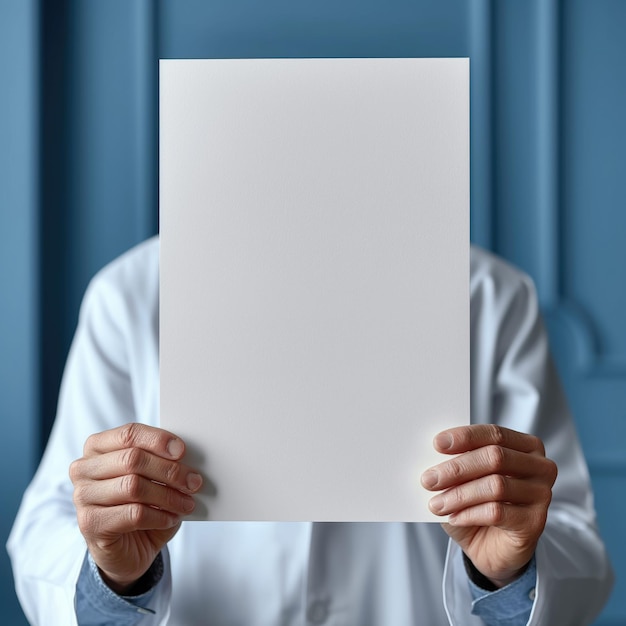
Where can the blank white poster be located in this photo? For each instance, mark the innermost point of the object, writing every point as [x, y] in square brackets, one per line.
[314, 280]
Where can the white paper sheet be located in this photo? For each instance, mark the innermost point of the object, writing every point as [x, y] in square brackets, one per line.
[314, 280]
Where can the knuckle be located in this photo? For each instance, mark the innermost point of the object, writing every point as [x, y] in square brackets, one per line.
[132, 460]
[80, 495]
[496, 434]
[136, 514]
[538, 444]
[128, 434]
[453, 471]
[75, 470]
[455, 498]
[548, 471]
[173, 500]
[131, 487]
[87, 521]
[494, 457]
[495, 513]
[537, 519]
[546, 496]
[552, 471]
[89, 444]
[172, 473]
[497, 487]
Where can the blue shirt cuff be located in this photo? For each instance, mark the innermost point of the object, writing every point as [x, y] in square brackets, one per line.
[97, 605]
[510, 605]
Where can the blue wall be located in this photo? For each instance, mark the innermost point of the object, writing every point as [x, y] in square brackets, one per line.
[78, 176]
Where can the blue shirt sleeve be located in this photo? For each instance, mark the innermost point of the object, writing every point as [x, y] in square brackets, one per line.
[508, 606]
[97, 605]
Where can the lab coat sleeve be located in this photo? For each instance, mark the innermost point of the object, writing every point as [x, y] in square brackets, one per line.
[45, 545]
[515, 384]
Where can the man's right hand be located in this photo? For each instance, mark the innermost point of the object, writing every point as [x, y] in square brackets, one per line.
[131, 492]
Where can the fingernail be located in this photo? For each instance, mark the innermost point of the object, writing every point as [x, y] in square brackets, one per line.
[436, 504]
[443, 441]
[194, 481]
[175, 448]
[430, 478]
[189, 505]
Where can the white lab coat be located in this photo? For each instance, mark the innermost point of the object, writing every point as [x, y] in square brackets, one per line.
[266, 574]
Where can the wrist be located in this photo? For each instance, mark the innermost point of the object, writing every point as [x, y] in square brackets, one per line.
[134, 586]
[491, 583]
[120, 586]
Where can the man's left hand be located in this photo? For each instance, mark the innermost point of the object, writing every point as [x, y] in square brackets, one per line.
[496, 492]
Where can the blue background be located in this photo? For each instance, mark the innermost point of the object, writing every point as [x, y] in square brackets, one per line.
[79, 177]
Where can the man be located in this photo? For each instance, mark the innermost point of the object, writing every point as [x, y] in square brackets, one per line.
[107, 546]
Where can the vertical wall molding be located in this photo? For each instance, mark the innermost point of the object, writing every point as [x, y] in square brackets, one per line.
[548, 150]
[146, 113]
[482, 146]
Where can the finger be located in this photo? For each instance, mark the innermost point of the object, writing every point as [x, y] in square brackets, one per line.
[132, 488]
[485, 461]
[123, 519]
[510, 517]
[465, 438]
[494, 488]
[136, 461]
[134, 435]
